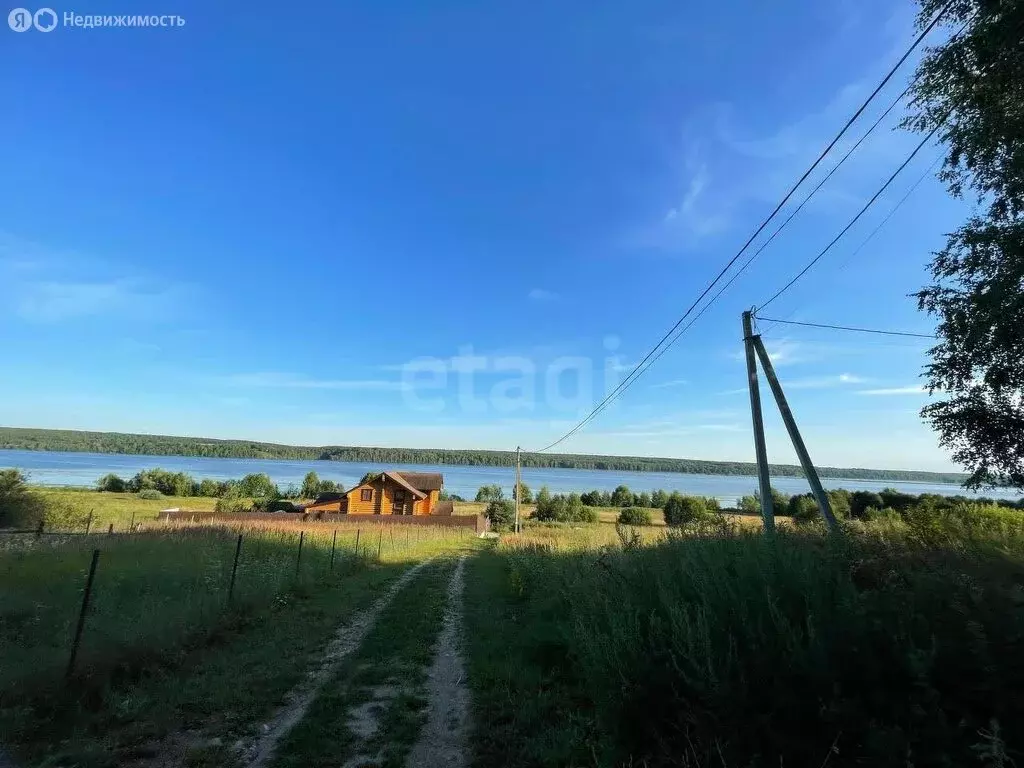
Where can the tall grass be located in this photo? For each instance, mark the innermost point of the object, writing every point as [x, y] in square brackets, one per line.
[157, 590]
[880, 647]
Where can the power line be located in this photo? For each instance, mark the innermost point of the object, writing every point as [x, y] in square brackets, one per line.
[849, 328]
[892, 212]
[639, 368]
[856, 218]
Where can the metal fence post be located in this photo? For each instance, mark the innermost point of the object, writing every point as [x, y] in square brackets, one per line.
[234, 570]
[110, 530]
[334, 546]
[357, 541]
[82, 613]
[380, 540]
[88, 523]
[298, 558]
[131, 525]
[391, 530]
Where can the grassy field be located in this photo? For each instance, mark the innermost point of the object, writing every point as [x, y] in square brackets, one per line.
[895, 643]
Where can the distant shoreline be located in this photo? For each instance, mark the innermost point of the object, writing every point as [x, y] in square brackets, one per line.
[117, 443]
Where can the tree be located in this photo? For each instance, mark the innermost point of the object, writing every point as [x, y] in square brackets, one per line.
[526, 493]
[644, 499]
[680, 510]
[257, 485]
[970, 91]
[211, 488]
[622, 497]
[501, 514]
[369, 477]
[749, 505]
[543, 502]
[112, 484]
[658, 499]
[490, 493]
[310, 485]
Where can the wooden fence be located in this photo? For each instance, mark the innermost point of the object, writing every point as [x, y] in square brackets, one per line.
[478, 523]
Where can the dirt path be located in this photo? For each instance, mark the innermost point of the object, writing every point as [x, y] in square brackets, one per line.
[443, 740]
[345, 641]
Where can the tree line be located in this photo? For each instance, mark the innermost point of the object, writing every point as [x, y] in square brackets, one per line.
[163, 445]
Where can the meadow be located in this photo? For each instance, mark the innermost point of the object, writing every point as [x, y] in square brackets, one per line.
[893, 642]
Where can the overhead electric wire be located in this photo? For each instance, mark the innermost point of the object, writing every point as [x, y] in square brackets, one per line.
[849, 328]
[885, 220]
[856, 218]
[639, 368]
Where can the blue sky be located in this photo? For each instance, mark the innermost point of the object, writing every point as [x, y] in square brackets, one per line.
[395, 223]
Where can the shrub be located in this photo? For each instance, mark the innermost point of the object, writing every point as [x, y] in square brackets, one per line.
[150, 494]
[644, 500]
[860, 501]
[20, 507]
[749, 505]
[526, 495]
[588, 515]
[211, 488]
[501, 513]
[231, 503]
[112, 484]
[62, 515]
[634, 516]
[840, 501]
[258, 485]
[659, 499]
[803, 508]
[681, 510]
[168, 483]
[490, 493]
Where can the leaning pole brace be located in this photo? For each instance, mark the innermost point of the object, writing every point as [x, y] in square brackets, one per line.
[794, 434]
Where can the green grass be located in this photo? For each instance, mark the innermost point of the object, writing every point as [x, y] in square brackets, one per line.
[119, 508]
[394, 657]
[740, 650]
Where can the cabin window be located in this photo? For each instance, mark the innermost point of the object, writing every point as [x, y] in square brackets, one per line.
[399, 495]
[366, 494]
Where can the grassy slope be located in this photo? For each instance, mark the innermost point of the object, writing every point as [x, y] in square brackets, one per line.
[722, 651]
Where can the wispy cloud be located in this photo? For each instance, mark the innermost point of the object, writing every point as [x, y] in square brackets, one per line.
[541, 294]
[284, 380]
[670, 383]
[916, 389]
[824, 382]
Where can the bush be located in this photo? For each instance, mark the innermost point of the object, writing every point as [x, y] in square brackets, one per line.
[749, 505]
[231, 503]
[860, 501]
[150, 494]
[659, 498]
[803, 508]
[682, 510]
[258, 485]
[622, 497]
[211, 488]
[490, 493]
[588, 515]
[167, 483]
[62, 515]
[634, 516]
[20, 507]
[112, 483]
[501, 513]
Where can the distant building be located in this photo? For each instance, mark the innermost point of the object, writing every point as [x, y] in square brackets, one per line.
[389, 493]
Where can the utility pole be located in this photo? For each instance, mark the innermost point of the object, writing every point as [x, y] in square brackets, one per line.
[794, 434]
[519, 487]
[760, 451]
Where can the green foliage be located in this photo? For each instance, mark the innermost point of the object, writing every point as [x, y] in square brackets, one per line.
[634, 516]
[750, 505]
[258, 485]
[232, 503]
[622, 497]
[840, 500]
[19, 506]
[659, 498]
[563, 509]
[803, 508]
[968, 89]
[445, 496]
[490, 493]
[64, 515]
[112, 483]
[369, 477]
[861, 501]
[525, 493]
[683, 510]
[501, 513]
[644, 500]
[167, 483]
[310, 486]
[150, 494]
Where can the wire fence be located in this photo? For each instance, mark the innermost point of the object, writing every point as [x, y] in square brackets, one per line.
[76, 606]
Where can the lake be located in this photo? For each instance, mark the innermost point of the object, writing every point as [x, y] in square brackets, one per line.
[83, 469]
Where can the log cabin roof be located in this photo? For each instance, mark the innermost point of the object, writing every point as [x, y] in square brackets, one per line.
[423, 481]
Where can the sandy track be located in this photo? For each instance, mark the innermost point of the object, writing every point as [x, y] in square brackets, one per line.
[443, 740]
